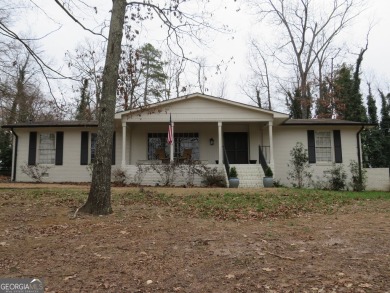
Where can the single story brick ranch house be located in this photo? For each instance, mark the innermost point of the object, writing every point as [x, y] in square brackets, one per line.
[206, 129]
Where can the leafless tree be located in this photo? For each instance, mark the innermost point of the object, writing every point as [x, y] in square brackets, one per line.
[21, 98]
[309, 28]
[178, 23]
[259, 82]
[86, 63]
[201, 75]
[174, 69]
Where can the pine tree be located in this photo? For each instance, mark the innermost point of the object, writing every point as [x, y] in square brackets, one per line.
[300, 108]
[348, 99]
[371, 107]
[372, 139]
[324, 104]
[83, 111]
[385, 127]
[385, 113]
[356, 110]
[152, 70]
[142, 77]
[294, 104]
[5, 152]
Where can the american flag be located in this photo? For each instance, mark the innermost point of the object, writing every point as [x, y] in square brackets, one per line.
[170, 131]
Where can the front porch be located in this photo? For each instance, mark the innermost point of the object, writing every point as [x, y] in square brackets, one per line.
[216, 132]
[211, 143]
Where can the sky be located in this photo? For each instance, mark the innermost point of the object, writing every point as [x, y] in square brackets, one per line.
[232, 47]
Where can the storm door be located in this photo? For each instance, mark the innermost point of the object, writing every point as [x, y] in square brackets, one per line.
[236, 146]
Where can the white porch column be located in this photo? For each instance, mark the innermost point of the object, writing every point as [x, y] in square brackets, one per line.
[124, 129]
[271, 145]
[220, 150]
[172, 149]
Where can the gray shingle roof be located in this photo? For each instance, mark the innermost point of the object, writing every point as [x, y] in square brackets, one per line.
[67, 123]
[324, 122]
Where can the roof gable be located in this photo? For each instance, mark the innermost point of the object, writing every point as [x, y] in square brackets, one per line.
[199, 107]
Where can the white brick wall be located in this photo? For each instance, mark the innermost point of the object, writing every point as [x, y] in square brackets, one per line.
[378, 179]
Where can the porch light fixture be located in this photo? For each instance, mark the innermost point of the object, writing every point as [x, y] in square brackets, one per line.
[211, 141]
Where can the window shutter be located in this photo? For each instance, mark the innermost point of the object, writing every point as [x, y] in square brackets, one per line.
[84, 148]
[312, 146]
[32, 149]
[338, 156]
[59, 148]
[113, 149]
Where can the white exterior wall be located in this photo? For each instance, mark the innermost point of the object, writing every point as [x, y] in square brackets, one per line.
[286, 137]
[378, 179]
[71, 170]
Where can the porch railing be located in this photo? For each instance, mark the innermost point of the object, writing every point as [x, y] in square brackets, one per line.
[264, 157]
[226, 161]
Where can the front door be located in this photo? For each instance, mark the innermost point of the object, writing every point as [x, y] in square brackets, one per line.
[236, 146]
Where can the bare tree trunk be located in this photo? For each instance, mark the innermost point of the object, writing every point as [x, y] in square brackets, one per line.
[146, 83]
[258, 98]
[99, 198]
[21, 97]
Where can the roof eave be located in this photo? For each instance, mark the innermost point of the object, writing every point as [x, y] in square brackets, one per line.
[317, 123]
[32, 125]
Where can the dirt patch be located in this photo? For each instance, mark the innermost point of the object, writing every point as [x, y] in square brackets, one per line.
[143, 248]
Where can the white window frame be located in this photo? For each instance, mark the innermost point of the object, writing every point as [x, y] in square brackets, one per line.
[47, 148]
[320, 156]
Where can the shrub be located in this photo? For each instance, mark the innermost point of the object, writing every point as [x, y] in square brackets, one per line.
[167, 172]
[90, 169]
[212, 177]
[119, 176]
[233, 172]
[277, 183]
[268, 172]
[141, 172]
[192, 168]
[358, 177]
[35, 172]
[300, 167]
[336, 178]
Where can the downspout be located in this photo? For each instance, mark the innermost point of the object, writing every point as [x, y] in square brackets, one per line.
[359, 153]
[15, 154]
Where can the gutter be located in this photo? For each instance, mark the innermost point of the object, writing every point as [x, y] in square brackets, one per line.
[15, 155]
[359, 153]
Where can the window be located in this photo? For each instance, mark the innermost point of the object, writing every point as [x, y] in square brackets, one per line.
[157, 141]
[323, 146]
[181, 141]
[320, 146]
[88, 148]
[187, 141]
[47, 148]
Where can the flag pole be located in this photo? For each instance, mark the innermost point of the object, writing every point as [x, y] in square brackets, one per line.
[171, 140]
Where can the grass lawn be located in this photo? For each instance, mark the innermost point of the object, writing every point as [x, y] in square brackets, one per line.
[197, 240]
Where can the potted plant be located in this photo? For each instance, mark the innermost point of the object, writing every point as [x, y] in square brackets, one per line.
[233, 179]
[268, 180]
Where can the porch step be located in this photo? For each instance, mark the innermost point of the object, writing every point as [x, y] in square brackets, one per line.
[251, 176]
